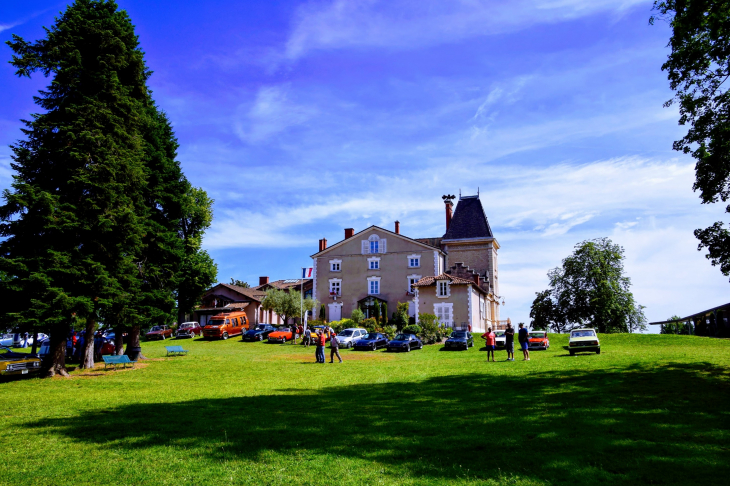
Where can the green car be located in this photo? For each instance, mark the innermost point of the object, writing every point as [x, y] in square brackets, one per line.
[582, 340]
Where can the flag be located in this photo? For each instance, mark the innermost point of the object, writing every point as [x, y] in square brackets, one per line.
[307, 272]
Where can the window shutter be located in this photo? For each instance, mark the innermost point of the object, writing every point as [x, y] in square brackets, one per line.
[382, 246]
[365, 247]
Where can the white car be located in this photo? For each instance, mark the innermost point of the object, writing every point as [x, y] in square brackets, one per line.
[6, 340]
[501, 340]
[347, 337]
[18, 339]
[583, 340]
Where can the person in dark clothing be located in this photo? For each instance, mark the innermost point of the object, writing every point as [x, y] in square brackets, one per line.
[319, 351]
[307, 337]
[509, 342]
[334, 349]
[524, 338]
[98, 343]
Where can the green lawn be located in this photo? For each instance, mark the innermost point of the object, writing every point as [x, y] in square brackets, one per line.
[648, 410]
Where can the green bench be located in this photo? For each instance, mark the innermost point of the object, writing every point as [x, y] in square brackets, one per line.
[175, 350]
[117, 360]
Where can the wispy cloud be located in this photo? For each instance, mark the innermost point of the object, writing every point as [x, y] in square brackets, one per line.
[272, 111]
[405, 24]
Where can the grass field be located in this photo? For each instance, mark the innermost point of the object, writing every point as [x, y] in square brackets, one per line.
[649, 410]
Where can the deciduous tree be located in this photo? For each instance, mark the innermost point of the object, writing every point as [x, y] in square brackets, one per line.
[698, 67]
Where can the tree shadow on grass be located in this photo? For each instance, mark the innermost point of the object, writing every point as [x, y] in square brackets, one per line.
[667, 425]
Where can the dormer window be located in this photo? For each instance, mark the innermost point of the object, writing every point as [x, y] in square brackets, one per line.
[442, 288]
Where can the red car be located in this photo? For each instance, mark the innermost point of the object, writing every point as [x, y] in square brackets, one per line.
[189, 329]
[159, 332]
[539, 340]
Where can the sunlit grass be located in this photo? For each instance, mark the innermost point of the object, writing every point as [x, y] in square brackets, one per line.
[649, 409]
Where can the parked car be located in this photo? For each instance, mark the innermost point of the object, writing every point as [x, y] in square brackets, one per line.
[405, 342]
[225, 325]
[500, 340]
[159, 332]
[347, 337]
[281, 335]
[371, 342]
[259, 333]
[582, 340]
[12, 363]
[189, 329]
[460, 340]
[324, 329]
[18, 339]
[6, 340]
[538, 340]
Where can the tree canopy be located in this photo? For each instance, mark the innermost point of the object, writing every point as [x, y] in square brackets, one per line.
[288, 304]
[698, 67]
[590, 289]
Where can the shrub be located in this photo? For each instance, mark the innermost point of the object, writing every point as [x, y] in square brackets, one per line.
[376, 312]
[413, 329]
[369, 324]
[385, 314]
[322, 313]
[389, 331]
[432, 331]
[315, 322]
[357, 316]
[338, 326]
[400, 316]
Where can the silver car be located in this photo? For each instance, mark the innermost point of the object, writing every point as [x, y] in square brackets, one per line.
[347, 337]
[500, 340]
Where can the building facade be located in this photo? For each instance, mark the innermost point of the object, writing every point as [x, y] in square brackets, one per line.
[377, 265]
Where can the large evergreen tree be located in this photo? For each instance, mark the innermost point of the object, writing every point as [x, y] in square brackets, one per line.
[71, 220]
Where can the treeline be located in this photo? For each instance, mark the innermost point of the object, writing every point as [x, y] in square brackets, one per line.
[100, 223]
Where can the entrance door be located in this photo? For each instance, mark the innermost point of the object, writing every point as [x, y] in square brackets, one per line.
[335, 312]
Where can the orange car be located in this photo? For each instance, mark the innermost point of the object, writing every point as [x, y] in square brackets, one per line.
[282, 335]
[223, 326]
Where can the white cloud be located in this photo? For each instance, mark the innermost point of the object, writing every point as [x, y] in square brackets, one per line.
[272, 112]
[406, 24]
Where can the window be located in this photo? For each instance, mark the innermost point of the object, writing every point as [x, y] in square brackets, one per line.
[411, 280]
[335, 286]
[482, 307]
[335, 265]
[373, 285]
[374, 265]
[374, 246]
[414, 261]
[442, 288]
[444, 313]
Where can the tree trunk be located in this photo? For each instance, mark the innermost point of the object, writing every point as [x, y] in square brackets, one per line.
[34, 349]
[87, 355]
[180, 316]
[119, 340]
[133, 341]
[57, 356]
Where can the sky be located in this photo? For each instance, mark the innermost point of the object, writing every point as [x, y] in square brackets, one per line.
[304, 118]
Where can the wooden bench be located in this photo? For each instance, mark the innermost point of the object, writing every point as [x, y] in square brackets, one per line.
[117, 360]
[175, 350]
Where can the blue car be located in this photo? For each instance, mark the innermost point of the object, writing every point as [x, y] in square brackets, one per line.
[261, 332]
[405, 342]
[371, 341]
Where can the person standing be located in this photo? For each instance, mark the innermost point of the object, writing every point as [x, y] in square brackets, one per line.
[334, 348]
[318, 348]
[294, 329]
[524, 338]
[509, 342]
[25, 340]
[307, 337]
[491, 340]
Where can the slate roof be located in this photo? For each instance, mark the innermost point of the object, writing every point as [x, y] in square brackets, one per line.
[434, 242]
[286, 284]
[469, 220]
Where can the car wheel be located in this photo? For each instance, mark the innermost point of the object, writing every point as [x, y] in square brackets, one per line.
[598, 351]
[572, 353]
[408, 348]
[163, 337]
[224, 336]
[260, 338]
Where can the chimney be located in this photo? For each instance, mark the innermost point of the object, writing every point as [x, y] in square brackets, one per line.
[324, 243]
[397, 227]
[263, 280]
[449, 212]
[349, 233]
[320, 245]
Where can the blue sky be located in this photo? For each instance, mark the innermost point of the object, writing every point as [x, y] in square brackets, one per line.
[303, 118]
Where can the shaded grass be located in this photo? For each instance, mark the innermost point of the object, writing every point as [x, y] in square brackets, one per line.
[648, 410]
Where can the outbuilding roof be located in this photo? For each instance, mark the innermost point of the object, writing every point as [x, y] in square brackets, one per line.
[431, 281]
[469, 220]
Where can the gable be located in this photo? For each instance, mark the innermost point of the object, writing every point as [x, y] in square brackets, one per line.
[388, 242]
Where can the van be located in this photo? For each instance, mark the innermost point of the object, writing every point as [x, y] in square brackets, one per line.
[225, 325]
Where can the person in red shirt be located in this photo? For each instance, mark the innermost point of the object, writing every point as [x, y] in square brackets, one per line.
[491, 340]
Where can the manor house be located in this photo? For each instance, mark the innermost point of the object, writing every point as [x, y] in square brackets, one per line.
[454, 276]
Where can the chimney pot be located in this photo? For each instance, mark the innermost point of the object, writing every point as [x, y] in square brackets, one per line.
[349, 233]
[263, 280]
[397, 227]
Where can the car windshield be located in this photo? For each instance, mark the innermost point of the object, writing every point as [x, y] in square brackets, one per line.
[538, 335]
[155, 328]
[499, 333]
[216, 322]
[401, 337]
[575, 334]
[260, 327]
[371, 335]
[460, 334]
[345, 333]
